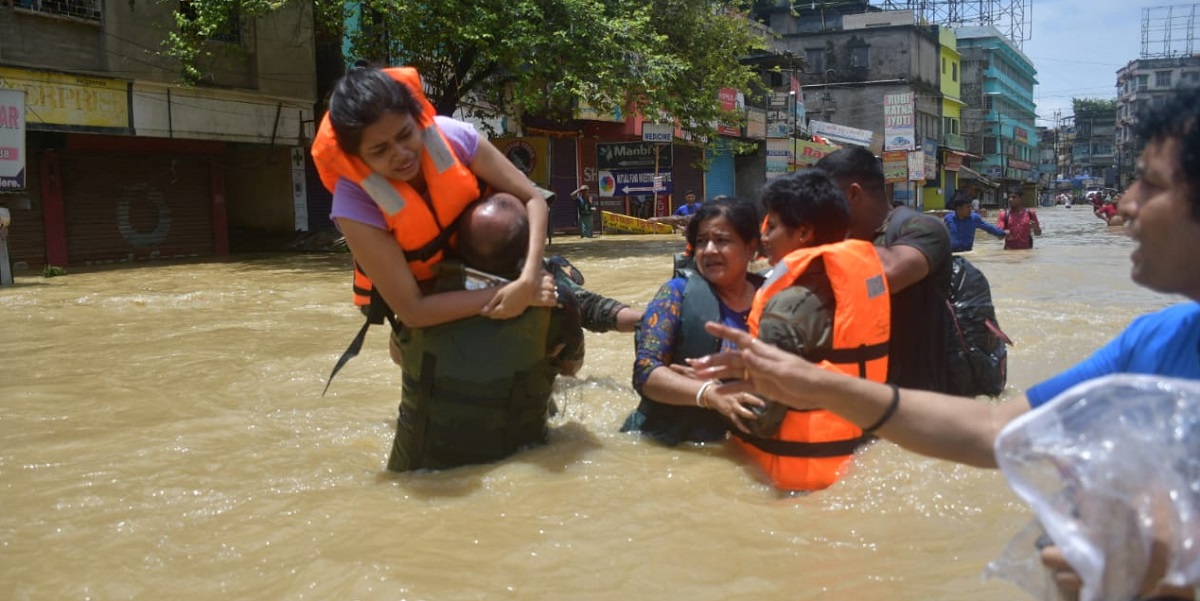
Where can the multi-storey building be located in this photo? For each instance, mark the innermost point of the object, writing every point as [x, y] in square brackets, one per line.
[858, 61]
[1092, 147]
[999, 124]
[1142, 84]
[122, 162]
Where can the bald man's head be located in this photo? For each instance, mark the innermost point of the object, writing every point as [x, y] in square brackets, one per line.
[493, 235]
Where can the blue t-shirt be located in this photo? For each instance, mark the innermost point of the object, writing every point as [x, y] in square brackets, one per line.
[1164, 343]
[687, 209]
[962, 231]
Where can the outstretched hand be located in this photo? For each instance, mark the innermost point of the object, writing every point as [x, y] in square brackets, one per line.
[761, 367]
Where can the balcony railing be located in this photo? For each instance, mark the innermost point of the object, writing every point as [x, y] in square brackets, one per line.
[954, 141]
[88, 10]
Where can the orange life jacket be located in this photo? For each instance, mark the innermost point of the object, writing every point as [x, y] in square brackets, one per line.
[422, 226]
[812, 449]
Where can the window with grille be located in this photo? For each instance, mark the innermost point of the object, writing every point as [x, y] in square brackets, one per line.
[1162, 79]
[88, 10]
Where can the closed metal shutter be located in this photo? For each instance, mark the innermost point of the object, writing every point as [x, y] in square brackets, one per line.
[720, 180]
[122, 207]
[27, 234]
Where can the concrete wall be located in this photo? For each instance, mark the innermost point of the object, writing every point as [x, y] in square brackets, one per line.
[275, 55]
[33, 39]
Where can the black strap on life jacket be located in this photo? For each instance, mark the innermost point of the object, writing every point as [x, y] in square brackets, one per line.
[850, 356]
[439, 243]
[376, 312]
[791, 448]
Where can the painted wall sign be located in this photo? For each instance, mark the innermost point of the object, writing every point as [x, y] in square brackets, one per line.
[57, 99]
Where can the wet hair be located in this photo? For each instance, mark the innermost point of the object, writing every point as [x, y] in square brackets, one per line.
[360, 98]
[741, 214]
[854, 164]
[809, 197]
[503, 256]
[1178, 118]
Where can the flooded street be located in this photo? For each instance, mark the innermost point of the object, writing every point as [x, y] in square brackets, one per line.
[163, 436]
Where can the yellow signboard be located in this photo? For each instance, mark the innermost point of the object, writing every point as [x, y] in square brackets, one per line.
[58, 99]
[624, 224]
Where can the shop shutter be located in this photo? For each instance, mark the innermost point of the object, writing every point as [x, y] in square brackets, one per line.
[124, 206]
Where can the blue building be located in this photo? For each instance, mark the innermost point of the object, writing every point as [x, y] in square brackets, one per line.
[999, 122]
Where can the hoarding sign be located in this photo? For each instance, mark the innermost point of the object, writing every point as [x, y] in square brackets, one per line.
[899, 122]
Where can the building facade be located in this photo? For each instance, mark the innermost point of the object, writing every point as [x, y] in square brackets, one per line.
[122, 163]
[876, 72]
[1092, 148]
[1143, 84]
[1000, 121]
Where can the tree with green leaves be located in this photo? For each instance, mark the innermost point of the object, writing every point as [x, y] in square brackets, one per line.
[1092, 106]
[541, 57]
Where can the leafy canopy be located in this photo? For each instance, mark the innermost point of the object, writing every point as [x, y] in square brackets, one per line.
[535, 57]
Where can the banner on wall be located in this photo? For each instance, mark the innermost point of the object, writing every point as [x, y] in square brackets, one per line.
[12, 139]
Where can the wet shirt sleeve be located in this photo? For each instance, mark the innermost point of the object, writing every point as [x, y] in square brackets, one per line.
[927, 234]
[985, 226]
[799, 318]
[567, 329]
[655, 340]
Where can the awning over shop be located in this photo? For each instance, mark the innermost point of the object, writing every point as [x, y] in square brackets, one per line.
[965, 172]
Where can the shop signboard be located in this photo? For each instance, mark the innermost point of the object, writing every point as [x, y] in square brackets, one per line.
[12, 139]
[916, 166]
[633, 155]
[841, 133]
[71, 100]
[732, 101]
[808, 153]
[895, 166]
[628, 182]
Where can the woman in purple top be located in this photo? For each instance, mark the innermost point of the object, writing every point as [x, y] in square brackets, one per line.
[376, 119]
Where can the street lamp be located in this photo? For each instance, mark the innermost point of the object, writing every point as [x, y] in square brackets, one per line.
[792, 112]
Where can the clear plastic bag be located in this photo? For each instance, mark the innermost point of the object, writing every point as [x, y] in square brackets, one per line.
[1109, 467]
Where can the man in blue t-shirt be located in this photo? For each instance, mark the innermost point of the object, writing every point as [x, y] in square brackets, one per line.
[690, 205]
[1162, 215]
[962, 224]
